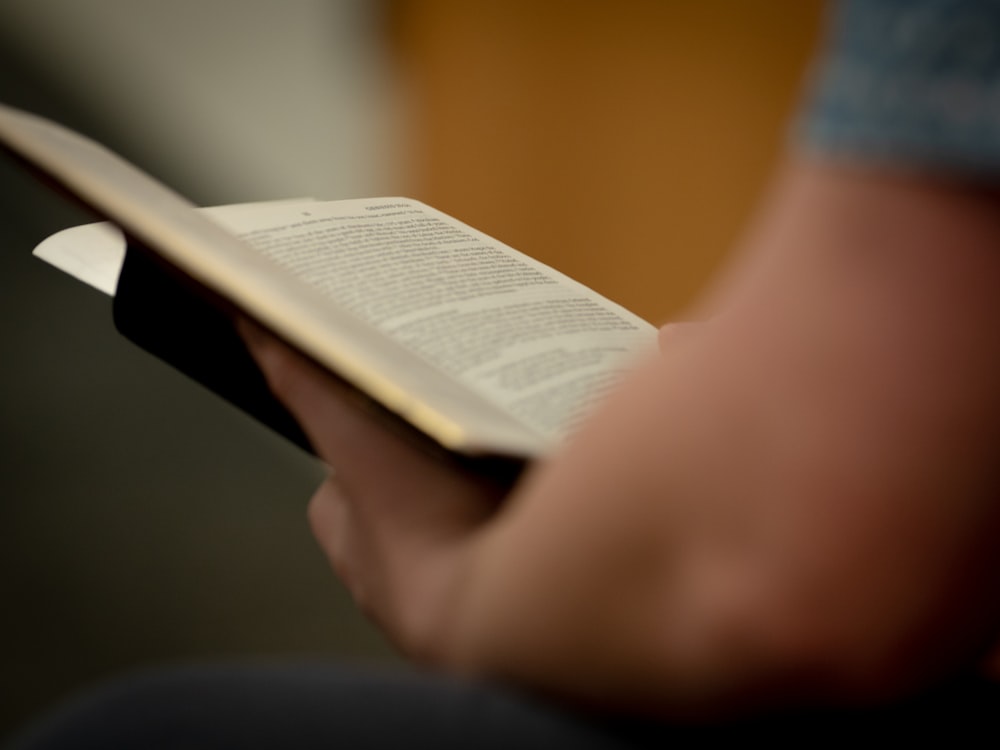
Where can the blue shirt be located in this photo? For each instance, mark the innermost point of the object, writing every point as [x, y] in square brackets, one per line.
[910, 82]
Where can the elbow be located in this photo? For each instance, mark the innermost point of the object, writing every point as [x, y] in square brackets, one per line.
[791, 652]
[752, 642]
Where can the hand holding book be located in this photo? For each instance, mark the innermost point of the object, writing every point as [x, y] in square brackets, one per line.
[394, 521]
[484, 350]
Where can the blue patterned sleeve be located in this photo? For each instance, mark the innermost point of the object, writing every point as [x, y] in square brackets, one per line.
[909, 82]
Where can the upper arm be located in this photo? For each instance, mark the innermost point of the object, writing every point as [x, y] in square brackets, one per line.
[801, 497]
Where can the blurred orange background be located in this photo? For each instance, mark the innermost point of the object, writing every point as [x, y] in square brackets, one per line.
[624, 143]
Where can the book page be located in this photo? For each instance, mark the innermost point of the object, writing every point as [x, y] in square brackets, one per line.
[540, 345]
[94, 253]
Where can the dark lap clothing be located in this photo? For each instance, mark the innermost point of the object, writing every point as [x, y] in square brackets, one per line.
[307, 707]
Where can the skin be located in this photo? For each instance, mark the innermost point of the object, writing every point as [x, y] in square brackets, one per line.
[795, 503]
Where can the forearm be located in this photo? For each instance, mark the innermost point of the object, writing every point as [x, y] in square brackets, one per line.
[789, 502]
[595, 585]
[797, 503]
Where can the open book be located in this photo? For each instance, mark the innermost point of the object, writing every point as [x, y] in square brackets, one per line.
[475, 345]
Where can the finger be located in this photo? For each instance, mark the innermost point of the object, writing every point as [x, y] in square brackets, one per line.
[282, 366]
[327, 513]
[668, 334]
[334, 526]
[325, 408]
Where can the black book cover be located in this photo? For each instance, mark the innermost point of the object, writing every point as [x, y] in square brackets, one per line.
[168, 316]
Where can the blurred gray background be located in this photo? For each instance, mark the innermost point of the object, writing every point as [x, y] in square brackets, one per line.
[144, 521]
